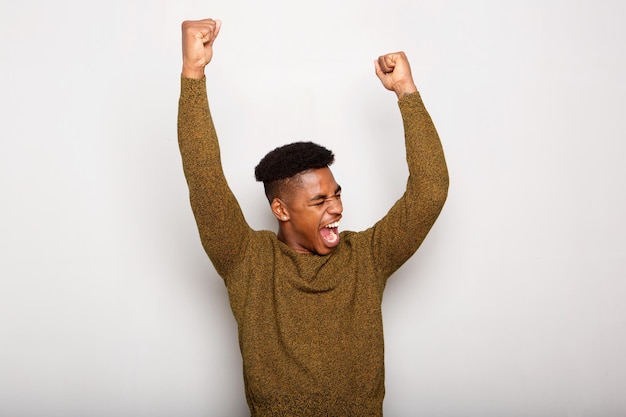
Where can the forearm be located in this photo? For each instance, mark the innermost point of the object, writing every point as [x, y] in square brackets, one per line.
[428, 172]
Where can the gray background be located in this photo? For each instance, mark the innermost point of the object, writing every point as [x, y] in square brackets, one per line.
[514, 305]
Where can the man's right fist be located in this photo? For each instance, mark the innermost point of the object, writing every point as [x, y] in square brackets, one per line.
[198, 38]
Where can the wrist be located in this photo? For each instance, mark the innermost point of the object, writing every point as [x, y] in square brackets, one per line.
[196, 73]
[403, 89]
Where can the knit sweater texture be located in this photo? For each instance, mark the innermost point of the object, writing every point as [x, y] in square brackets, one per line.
[310, 327]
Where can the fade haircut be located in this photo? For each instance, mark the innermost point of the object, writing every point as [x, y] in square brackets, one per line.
[280, 167]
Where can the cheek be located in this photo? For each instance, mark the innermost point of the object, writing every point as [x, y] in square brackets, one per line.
[307, 219]
[312, 219]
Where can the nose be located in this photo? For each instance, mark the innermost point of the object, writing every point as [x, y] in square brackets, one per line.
[336, 207]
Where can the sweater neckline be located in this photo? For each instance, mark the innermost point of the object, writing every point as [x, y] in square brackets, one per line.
[312, 274]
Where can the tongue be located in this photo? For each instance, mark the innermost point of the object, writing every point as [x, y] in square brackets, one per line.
[330, 236]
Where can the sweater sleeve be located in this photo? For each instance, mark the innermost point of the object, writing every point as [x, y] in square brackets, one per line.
[223, 229]
[397, 236]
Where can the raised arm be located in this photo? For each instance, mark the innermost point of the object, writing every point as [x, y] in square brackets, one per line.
[399, 234]
[223, 229]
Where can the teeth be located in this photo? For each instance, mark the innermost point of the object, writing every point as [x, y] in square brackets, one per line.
[333, 225]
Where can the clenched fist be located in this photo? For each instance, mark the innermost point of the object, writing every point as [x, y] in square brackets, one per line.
[198, 38]
[394, 72]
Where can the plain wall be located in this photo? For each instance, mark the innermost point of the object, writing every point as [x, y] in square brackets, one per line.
[513, 306]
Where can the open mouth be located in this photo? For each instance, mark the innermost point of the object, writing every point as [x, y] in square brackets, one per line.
[330, 234]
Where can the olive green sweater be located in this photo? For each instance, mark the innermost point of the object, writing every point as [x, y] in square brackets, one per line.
[310, 327]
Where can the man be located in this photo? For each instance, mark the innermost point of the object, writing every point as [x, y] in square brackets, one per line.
[307, 300]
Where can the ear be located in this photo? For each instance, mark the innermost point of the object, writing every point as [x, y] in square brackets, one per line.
[279, 209]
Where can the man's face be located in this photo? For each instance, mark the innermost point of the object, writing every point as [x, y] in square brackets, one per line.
[314, 210]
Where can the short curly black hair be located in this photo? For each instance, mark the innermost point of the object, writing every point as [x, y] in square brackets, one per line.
[286, 161]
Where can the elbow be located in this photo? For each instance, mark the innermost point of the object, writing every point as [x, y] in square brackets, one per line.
[439, 188]
[445, 186]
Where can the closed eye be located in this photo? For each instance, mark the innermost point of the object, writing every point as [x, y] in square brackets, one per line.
[318, 200]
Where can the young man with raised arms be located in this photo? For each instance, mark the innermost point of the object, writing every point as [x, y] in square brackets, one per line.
[307, 299]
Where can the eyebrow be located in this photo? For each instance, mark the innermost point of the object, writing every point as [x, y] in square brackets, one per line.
[324, 197]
